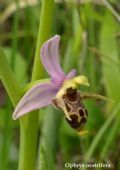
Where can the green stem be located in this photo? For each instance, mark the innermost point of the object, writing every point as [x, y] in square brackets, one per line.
[28, 141]
[44, 32]
[29, 123]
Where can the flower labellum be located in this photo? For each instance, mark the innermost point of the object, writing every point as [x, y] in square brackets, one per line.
[60, 90]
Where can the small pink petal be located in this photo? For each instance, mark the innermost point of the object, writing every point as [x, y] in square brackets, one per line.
[37, 97]
[50, 58]
[71, 74]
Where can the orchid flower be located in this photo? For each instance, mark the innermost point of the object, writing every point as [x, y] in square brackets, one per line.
[41, 95]
[53, 92]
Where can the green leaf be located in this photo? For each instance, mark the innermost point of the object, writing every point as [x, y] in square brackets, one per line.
[11, 85]
[49, 139]
[43, 165]
[19, 66]
[111, 64]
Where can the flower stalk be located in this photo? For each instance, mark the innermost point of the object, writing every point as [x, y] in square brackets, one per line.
[46, 18]
[29, 123]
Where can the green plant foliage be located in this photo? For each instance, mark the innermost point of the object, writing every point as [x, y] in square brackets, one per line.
[90, 43]
[20, 62]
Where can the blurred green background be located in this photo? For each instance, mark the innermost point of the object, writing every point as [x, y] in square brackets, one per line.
[90, 42]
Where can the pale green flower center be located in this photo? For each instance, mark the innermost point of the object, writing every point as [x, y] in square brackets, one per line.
[74, 82]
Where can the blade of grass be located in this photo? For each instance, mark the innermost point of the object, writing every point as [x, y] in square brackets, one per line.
[113, 11]
[111, 138]
[101, 132]
[6, 138]
[15, 37]
[108, 46]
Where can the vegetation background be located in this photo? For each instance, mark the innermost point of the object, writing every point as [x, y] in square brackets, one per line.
[90, 42]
